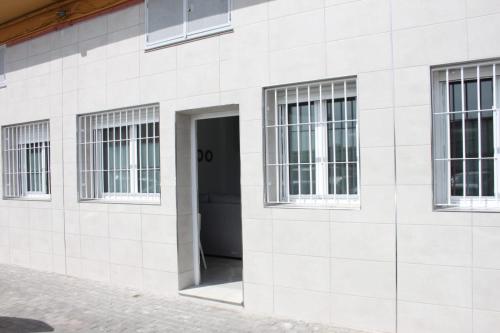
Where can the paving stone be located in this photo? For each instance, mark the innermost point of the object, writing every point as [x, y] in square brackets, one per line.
[33, 301]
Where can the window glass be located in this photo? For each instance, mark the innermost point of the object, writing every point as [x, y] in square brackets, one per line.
[456, 140]
[487, 177]
[165, 20]
[116, 159]
[352, 141]
[340, 142]
[207, 14]
[471, 134]
[486, 94]
[457, 177]
[36, 165]
[471, 95]
[148, 156]
[487, 134]
[33, 160]
[353, 179]
[455, 96]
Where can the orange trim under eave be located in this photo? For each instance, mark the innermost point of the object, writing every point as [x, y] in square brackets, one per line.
[70, 22]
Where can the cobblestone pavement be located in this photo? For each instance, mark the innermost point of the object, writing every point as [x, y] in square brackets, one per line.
[32, 301]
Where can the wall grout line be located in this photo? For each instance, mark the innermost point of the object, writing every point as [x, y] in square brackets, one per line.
[62, 168]
[263, 120]
[391, 10]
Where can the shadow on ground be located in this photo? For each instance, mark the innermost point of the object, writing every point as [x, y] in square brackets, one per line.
[23, 325]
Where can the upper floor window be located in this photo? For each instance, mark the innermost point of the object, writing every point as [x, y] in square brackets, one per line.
[119, 155]
[466, 136]
[170, 21]
[26, 160]
[311, 135]
[2, 66]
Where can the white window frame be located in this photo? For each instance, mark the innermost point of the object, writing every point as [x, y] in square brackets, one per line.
[322, 197]
[3, 76]
[17, 168]
[95, 182]
[185, 36]
[476, 202]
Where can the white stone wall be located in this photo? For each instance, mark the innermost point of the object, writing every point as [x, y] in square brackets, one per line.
[336, 266]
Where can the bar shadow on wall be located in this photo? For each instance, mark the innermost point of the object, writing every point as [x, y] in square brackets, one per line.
[84, 47]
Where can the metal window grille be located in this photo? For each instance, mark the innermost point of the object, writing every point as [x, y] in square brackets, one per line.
[466, 135]
[119, 154]
[312, 140]
[26, 160]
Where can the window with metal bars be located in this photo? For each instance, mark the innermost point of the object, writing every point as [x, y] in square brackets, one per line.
[119, 155]
[26, 160]
[466, 131]
[311, 136]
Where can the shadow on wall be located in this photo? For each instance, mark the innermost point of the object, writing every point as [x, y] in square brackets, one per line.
[66, 40]
[23, 325]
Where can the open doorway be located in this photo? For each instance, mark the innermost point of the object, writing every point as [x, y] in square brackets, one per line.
[218, 265]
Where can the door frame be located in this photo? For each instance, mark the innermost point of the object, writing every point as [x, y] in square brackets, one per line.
[194, 182]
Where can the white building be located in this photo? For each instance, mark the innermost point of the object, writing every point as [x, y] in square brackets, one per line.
[369, 190]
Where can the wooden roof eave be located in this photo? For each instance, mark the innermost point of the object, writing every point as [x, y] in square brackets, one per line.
[56, 16]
